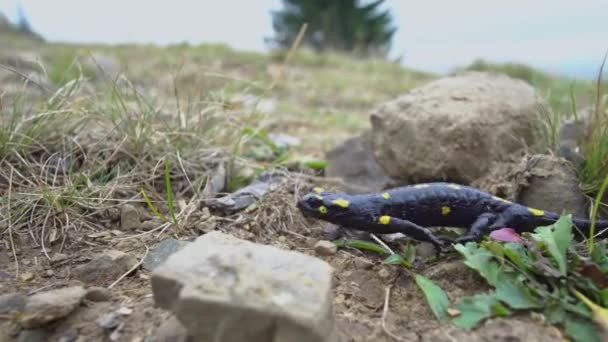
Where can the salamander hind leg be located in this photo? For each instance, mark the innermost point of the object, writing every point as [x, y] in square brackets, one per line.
[388, 224]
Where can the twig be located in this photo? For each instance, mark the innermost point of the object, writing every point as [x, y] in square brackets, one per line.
[10, 224]
[41, 288]
[377, 239]
[387, 295]
[289, 56]
[131, 270]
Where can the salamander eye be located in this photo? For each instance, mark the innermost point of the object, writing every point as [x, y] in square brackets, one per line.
[313, 200]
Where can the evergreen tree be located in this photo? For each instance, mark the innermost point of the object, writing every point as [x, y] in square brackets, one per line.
[346, 25]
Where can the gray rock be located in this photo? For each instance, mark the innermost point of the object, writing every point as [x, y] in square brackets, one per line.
[353, 161]
[161, 251]
[325, 248]
[171, 330]
[105, 267]
[11, 303]
[44, 307]
[549, 183]
[247, 195]
[224, 288]
[129, 218]
[455, 128]
[98, 294]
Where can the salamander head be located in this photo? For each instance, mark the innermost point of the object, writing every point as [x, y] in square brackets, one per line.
[327, 206]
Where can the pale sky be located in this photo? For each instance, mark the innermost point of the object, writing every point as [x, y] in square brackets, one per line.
[557, 35]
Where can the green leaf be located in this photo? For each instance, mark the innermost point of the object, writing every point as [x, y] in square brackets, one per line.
[583, 331]
[435, 296]
[555, 313]
[557, 238]
[476, 308]
[517, 295]
[169, 192]
[393, 259]
[517, 253]
[480, 260]
[604, 297]
[315, 164]
[598, 255]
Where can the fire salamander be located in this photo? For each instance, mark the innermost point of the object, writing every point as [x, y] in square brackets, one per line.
[411, 210]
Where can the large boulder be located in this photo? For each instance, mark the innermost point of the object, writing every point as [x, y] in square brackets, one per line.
[454, 128]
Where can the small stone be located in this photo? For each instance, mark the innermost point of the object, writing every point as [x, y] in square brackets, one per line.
[149, 225]
[205, 226]
[11, 303]
[26, 276]
[33, 335]
[108, 321]
[105, 267]
[425, 250]
[171, 330]
[384, 273]
[44, 307]
[124, 311]
[325, 248]
[363, 264]
[161, 252]
[69, 336]
[49, 273]
[277, 295]
[58, 257]
[129, 218]
[98, 294]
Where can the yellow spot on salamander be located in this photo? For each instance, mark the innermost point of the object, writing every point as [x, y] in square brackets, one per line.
[319, 197]
[455, 186]
[445, 210]
[420, 186]
[323, 210]
[384, 219]
[341, 202]
[317, 190]
[536, 212]
[500, 199]
[386, 195]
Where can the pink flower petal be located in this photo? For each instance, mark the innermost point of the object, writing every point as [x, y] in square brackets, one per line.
[506, 235]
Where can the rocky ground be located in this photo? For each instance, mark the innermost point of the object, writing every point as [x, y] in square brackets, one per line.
[245, 262]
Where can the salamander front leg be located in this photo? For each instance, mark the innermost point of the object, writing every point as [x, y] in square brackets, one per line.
[389, 224]
[484, 223]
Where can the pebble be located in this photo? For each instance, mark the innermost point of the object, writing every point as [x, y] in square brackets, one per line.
[45, 307]
[325, 248]
[58, 257]
[129, 218]
[27, 276]
[105, 267]
[98, 294]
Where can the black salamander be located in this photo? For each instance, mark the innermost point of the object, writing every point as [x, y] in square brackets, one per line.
[412, 210]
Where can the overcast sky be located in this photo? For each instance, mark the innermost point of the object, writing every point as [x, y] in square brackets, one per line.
[557, 35]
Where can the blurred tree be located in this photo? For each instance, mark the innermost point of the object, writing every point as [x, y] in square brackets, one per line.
[354, 26]
[23, 24]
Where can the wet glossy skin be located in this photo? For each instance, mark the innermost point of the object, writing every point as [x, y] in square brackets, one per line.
[410, 209]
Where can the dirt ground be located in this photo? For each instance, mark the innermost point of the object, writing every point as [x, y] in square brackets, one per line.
[361, 284]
